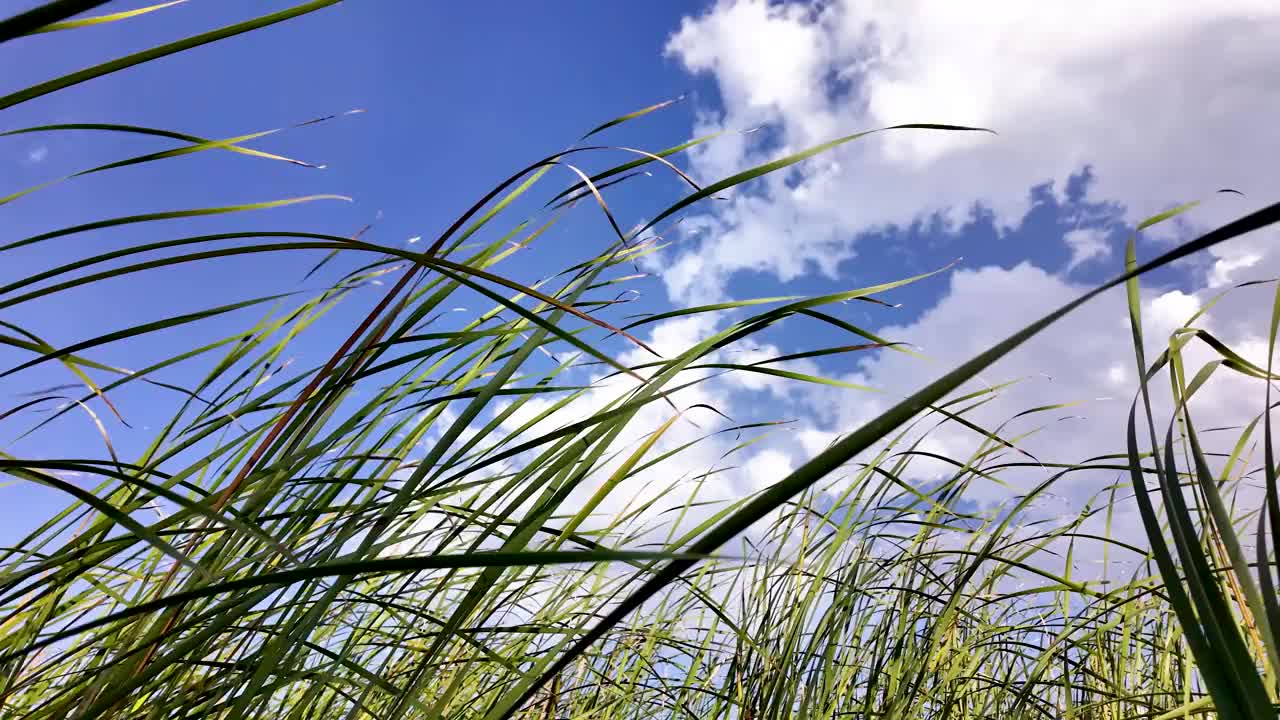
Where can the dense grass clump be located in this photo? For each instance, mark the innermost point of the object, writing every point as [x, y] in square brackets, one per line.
[493, 514]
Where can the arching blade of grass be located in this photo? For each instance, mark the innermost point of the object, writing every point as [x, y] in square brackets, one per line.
[792, 304]
[196, 508]
[107, 509]
[631, 116]
[137, 330]
[23, 23]
[197, 145]
[167, 215]
[337, 243]
[568, 194]
[76, 364]
[139, 130]
[103, 19]
[32, 20]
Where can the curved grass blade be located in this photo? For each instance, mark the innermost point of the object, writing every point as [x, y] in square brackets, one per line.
[765, 169]
[32, 20]
[631, 116]
[102, 19]
[141, 329]
[232, 144]
[108, 510]
[24, 23]
[167, 215]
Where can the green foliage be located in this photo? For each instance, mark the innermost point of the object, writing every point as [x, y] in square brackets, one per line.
[413, 528]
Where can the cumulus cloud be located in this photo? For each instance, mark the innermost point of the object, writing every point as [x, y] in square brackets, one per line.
[1164, 110]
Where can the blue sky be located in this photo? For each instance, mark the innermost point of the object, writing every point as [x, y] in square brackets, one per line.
[458, 95]
[445, 120]
[456, 99]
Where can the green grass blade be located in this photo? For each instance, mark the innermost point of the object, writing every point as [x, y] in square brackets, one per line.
[32, 20]
[102, 19]
[24, 23]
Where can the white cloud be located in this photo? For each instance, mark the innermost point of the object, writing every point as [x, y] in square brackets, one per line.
[1086, 244]
[1164, 110]
[723, 39]
[37, 154]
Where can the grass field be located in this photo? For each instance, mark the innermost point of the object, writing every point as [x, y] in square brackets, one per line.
[488, 515]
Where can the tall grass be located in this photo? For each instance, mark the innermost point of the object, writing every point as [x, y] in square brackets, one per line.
[441, 520]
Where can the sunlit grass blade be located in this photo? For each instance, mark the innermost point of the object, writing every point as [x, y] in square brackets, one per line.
[18, 25]
[102, 19]
[32, 20]
[631, 116]
[233, 144]
[761, 170]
